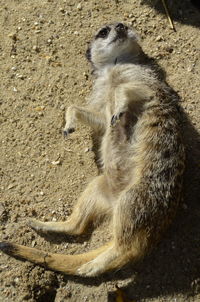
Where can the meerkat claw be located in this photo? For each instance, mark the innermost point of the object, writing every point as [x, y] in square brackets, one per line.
[68, 131]
[116, 118]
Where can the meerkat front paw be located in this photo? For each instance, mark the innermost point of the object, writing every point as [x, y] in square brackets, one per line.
[68, 131]
[116, 118]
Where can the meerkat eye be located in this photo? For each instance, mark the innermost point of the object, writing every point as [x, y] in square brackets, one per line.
[103, 32]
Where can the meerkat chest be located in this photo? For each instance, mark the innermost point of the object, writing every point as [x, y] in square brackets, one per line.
[103, 90]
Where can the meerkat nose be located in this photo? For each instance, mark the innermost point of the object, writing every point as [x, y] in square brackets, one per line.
[120, 27]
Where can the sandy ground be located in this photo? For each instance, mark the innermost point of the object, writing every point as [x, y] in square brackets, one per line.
[43, 70]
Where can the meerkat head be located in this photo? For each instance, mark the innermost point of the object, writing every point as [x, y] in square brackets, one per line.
[113, 43]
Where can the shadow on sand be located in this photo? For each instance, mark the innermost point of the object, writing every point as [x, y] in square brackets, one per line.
[184, 11]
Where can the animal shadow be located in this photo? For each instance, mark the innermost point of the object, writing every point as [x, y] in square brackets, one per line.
[186, 12]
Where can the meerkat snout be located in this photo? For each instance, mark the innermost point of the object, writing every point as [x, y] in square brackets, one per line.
[113, 43]
[121, 30]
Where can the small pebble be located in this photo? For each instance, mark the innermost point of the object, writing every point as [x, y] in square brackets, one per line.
[62, 10]
[86, 75]
[39, 108]
[35, 47]
[62, 107]
[13, 36]
[16, 280]
[56, 162]
[79, 6]
[159, 39]
[20, 76]
[190, 68]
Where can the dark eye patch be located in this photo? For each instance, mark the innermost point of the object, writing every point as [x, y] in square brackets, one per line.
[103, 33]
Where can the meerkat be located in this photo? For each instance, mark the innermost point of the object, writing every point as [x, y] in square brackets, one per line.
[142, 157]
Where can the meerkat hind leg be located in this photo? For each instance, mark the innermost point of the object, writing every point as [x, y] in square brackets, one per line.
[117, 255]
[92, 202]
[128, 245]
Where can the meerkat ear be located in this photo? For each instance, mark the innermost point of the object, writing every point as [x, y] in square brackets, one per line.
[88, 54]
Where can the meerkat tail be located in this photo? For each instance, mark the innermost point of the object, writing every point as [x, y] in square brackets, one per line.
[67, 264]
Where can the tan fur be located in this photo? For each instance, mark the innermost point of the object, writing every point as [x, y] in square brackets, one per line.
[142, 157]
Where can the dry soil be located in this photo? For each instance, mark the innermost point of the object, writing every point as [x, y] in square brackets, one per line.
[43, 70]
